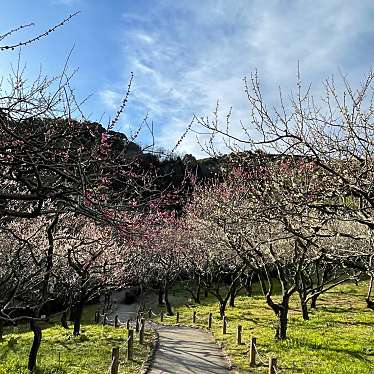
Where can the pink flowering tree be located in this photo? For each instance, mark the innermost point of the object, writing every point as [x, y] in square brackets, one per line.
[263, 212]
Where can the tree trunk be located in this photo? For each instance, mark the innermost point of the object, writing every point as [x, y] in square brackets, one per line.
[198, 290]
[222, 308]
[161, 296]
[370, 304]
[281, 333]
[78, 317]
[248, 286]
[64, 322]
[304, 305]
[313, 304]
[281, 310]
[304, 309]
[169, 308]
[35, 344]
[72, 313]
[233, 295]
[49, 264]
[107, 302]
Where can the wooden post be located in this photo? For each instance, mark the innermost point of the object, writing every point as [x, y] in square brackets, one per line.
[141, 334]
[177, 317]
[116, 322]
[272, 365]
[137, 324]
[252, 352]
[104, 319]
[97, 317]
[194, 317]
[128, 324]
[224, 325]
[115, 361]
[210, 321]
[239, 336]
[130, 344]
[150, 313]
[161, 316]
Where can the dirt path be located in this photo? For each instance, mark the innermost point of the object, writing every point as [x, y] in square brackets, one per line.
[187, 350]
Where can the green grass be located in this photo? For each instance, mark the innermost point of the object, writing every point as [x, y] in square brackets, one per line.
[60, 352]
[338, 338]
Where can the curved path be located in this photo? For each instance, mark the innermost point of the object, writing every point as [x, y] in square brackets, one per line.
[181, 349]
[185, 350]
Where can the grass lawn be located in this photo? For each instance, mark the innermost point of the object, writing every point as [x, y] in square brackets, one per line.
[61, 352]
[338, 338]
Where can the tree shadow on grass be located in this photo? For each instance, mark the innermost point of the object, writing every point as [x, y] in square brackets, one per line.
[314, 346]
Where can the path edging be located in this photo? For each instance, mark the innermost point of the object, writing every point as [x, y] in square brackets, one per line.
[147, 365]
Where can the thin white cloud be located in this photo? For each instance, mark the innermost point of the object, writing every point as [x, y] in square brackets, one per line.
[145, 38]
[110, 98]
[188, 55]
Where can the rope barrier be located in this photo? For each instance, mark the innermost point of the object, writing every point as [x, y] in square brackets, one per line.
[111, 365]
[263, 360]
[259, 355]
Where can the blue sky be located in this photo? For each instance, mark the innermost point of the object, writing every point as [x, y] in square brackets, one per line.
[188, 54]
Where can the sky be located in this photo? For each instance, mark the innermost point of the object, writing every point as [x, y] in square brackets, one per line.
[186, 55]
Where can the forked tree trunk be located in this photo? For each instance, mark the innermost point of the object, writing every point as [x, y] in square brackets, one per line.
[195, 293]
[281, 310]
[35, 344]
[222, 307]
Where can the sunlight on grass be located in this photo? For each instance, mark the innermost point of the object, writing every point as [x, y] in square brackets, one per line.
[61, 352]
[338, 338]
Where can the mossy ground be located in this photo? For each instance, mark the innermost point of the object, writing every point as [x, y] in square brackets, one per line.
[62, 353]
[338, 338]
